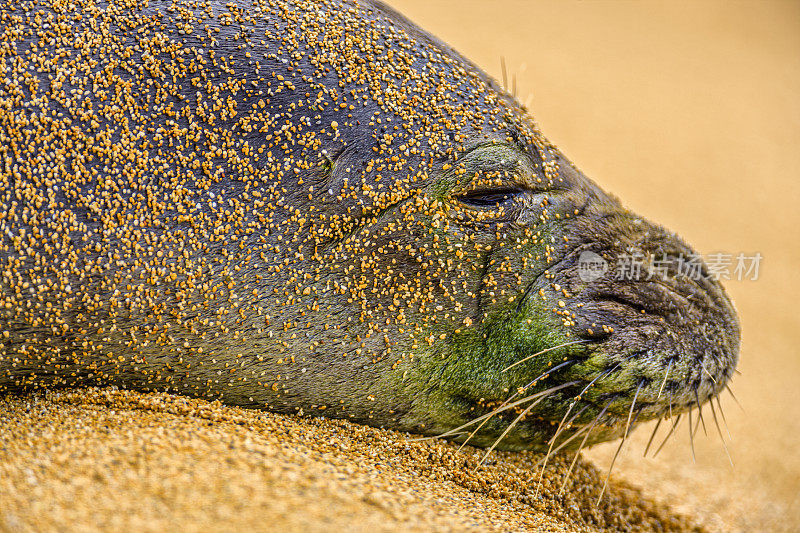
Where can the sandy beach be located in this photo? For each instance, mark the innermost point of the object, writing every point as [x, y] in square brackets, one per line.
[120, 461]
[689, 112]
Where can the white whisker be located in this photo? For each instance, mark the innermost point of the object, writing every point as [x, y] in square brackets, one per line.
[671, 431]
[707, 372]
[669, 367]
[542, 376]
[724, 421]
[494, 412]
[561, 424]
[716, 423]
[543, 352]
[510, 426]
[583, 442]
[652, 436]
[624, 438]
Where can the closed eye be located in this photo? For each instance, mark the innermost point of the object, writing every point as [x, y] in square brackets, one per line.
[488, 197]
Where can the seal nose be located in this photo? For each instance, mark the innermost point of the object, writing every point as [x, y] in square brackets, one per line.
[654, 302]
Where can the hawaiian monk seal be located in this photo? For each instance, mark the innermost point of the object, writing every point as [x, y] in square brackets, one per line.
[317, 207]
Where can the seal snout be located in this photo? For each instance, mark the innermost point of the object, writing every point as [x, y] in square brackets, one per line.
[650, 307]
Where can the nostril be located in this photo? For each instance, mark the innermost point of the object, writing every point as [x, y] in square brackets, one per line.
[634, 304]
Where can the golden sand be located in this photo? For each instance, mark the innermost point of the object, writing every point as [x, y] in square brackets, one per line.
[116, 460]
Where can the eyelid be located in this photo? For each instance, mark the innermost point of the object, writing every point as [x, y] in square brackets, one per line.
[491, 175]
[489, 197]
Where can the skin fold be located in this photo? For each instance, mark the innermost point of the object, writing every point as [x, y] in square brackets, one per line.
[318, 208]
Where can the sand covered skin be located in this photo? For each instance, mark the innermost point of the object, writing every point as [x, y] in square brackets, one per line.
[118, 460]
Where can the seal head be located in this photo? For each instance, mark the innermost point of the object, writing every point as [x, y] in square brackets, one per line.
[318, 208]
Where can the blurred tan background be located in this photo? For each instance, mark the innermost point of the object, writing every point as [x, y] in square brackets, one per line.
[690, 113]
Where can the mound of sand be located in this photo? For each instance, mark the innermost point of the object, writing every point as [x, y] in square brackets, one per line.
[106, 459]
